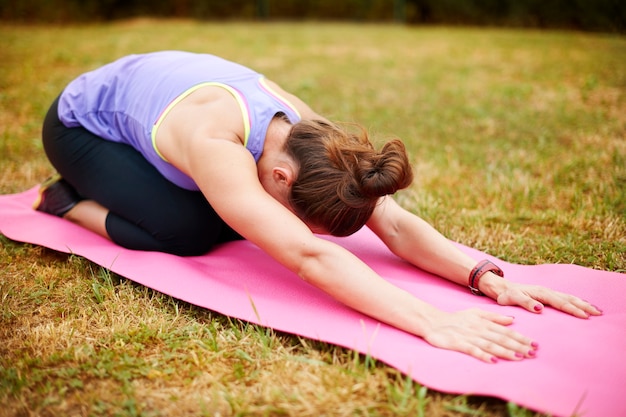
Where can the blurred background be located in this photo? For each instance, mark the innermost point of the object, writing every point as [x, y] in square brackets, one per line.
[584, 15]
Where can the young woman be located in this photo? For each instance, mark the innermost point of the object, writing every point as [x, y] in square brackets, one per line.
[175, 152]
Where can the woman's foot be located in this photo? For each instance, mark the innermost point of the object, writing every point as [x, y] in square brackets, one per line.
[56, 197]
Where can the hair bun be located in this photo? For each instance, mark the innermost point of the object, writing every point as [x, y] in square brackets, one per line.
[386, 171]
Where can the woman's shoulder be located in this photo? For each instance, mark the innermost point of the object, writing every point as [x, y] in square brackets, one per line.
[305, 111]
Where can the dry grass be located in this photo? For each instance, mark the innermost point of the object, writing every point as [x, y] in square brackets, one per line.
[519, 140]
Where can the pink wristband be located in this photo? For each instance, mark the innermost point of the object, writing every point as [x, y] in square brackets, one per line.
[479, 270]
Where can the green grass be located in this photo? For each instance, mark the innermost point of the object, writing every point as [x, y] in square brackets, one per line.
[519, 144]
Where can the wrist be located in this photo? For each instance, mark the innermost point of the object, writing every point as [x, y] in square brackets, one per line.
[488, 269]
[492, 285]
[432, 322]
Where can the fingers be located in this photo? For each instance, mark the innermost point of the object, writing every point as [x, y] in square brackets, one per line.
[501, 342]
[494, 347]
[483, 335]
[534, 299]
[522, 299]
[579, 308]
[495, 317]
[591, 309]
[583, 308]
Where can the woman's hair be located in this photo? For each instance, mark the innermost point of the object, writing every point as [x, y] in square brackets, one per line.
[341, 176]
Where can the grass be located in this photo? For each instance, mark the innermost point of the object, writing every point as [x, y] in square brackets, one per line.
[519, 143]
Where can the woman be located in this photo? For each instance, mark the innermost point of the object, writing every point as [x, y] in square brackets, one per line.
[175, 152]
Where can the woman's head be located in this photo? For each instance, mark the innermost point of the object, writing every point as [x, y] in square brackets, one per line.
[340, 176]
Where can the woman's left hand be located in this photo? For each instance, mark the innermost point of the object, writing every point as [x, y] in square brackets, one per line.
[534, 297]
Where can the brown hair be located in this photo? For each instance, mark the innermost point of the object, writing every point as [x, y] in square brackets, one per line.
[341, 176]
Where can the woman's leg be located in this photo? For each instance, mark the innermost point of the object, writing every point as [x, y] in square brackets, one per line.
[90, 215]
[140, 208]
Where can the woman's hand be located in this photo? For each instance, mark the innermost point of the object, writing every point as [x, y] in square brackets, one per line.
[478, 333]
[534, 298]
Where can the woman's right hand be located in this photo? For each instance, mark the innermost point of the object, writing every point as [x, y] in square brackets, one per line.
[479, 333]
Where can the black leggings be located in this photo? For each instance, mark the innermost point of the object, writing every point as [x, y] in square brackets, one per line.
[146, 211]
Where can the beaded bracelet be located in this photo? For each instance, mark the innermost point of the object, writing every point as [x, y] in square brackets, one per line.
[479, 270]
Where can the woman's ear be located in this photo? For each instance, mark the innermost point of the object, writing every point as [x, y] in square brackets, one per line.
[283, 175]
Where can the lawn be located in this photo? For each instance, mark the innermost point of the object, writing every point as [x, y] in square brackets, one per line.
[518, 139]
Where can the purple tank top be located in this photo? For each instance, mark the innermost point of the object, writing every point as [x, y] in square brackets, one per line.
[126, 100]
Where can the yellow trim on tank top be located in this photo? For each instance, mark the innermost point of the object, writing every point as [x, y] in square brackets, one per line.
[231, 90]
[270, 90]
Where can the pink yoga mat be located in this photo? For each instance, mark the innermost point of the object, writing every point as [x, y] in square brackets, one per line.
[579, 368]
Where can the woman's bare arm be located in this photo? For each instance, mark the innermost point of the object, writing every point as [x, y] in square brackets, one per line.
[416, 241]
[226, 174]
